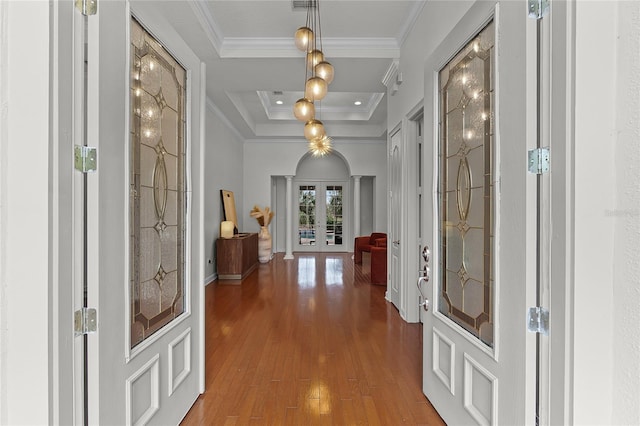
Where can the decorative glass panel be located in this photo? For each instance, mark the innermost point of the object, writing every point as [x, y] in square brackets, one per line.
[157, 190]
[307, 215]
[466, 187]
[334, 215]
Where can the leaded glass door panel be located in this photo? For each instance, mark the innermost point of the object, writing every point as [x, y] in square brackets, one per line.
[477, 349]
[466, 189]
[157, 181]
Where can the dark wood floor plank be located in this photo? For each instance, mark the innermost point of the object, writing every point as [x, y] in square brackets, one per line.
[309, 341]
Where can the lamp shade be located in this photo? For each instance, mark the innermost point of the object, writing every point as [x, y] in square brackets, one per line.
[325, 71]
[304, 39]
[304, 110]
[226, 229]
[314, 129]
[315, 89]
[314, 58]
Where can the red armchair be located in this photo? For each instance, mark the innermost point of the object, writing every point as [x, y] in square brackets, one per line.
[365, 243]
[379, 264]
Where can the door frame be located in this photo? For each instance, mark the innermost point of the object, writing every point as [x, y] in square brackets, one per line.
[397, 270]
[346, 214]
[410, 243]
[410, 297]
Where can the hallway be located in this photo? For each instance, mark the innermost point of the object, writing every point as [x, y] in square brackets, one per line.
[306, 342]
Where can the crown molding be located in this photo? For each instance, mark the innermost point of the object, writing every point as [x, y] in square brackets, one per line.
[410, 22]
[284, 47]
[391, 73]
[208, 24]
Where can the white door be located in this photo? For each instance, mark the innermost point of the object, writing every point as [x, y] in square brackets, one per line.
[395, 226]
[320, 222]
[144, 218]
[479, 359]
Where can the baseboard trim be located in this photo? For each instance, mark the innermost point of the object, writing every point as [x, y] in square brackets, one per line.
[211, 278]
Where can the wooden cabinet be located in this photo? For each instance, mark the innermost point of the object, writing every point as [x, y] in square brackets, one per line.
[237, 256]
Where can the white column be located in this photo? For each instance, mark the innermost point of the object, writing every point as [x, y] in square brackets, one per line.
[289, 222]
[356, 205]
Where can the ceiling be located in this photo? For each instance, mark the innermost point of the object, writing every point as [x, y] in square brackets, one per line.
[252, 61]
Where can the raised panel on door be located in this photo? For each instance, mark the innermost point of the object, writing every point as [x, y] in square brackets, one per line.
[144, 222]
[478, 356]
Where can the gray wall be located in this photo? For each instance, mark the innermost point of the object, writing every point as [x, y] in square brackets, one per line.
[367, 201]
[223, 170]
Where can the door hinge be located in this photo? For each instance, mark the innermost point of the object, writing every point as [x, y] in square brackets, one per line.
[538, 320]
[537, 9]
[539, 161]
[85, 321]
[85, 158]
[87, 7]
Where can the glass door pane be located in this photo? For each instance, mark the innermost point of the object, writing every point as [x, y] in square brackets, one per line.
[157, 193]
[333, 216]
[307, 215]
[466, 187]
[321, 217]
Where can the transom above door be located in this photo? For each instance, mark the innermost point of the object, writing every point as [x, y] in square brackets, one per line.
[320, 224]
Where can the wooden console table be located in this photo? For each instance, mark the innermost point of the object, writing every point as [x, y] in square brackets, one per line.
[237, 256]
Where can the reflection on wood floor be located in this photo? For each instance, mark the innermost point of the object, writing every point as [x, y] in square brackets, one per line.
[309, 341]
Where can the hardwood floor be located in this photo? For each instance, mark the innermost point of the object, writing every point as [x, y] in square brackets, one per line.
[309, 342]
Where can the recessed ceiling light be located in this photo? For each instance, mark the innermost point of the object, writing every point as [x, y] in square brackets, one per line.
[279, 102]
[357, 103]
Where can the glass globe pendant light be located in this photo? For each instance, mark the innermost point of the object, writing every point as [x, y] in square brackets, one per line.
[304, 39]
[316, 89]
[304, 110]
[314, 57]
[318, 74]
[314, 129]
[325, 71]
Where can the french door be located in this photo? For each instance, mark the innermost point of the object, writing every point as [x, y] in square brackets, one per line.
[143, 218]
[321, 219]
[479, 225]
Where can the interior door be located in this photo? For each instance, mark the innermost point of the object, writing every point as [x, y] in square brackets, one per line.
[395, 228]
[321, 219]
[144, 218]
[479, 360]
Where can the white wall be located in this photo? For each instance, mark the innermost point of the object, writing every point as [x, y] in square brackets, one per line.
[264, 159]
[433, 24]
[24, 213]
[626, 217]
[223, 170]
[594, 197]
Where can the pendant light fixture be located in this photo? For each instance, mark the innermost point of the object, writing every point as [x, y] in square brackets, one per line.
[320, 147]
[318, 75]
